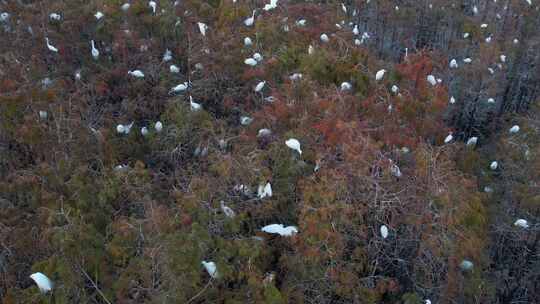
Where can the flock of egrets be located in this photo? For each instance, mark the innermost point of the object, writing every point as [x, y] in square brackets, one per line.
[265, 190]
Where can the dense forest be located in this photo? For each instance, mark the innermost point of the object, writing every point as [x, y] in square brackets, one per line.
[231, 151]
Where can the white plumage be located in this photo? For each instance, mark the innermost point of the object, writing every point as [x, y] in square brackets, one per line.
[245, 120]
[158, 126]
[452, 100]
[227, 210]
[202, 28]
[270, 6]
[491, 100]
[355, 30]
[94, 51]
[295, 76]
[431, 79]
[380, 74]
[467, 60]
[324, 38]
[280, 229]
[43, 114]
[294, 144]
[258, 57]
[259, 86]
[494, 165]
[247, 41]
[395, 89]
[521, 223]
[179, 88]
[448, 138]
[514, 129]
[42, 281]
[153, 5]
[472, 141]
[136, 73]
[264, 132]
[484, 25]
[125, 7]
[211, 269]
[384, 231]
[250, 62]
[249, 21]
[394, 169]
[466, 265]
[99, 15]
[264, 191]
[301, 22]
[144, 131]
[55, 17]
[50, 46]
[167, 56]
[174, 69]
[453, 64]
[345, 86]
[193, 105]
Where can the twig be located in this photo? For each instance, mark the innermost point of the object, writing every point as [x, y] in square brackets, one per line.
[200, 292]
[95, 286]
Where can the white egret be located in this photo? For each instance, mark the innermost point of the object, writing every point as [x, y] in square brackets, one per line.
[174, 69]
[179, 88]
[158, 126]
[452, 100]
[124, 129]
[431, 79]
[99, 15]
[345, 86]
[467, 60]
[427, 301]
[270, 6]
[193, 105]
[475, 10]
[466, 265]
[453, 64]
[247, 41]
[394, 169]
[488, 39]
[153, 5]
[264, 191]
[280, 229]
[488, 189]
[521, 223]
[136, 73]
[251, 62]
[43, 114]
[395, 89]
[55, 17]
[483, 25]
[448, 138]
[365, 36]
[503, 58]
[529, 2]
[94, 51]
[257, 57]
[259, 86]
[167, 56]
[355, 30]
[491, 71]
[264, 132]
[494, 165]
[42, 281]
[4, 16]
[202, 28]
[324, 38]
[211, 269]
[466, 35]
[144, 131]
[78, 74]
[249, 21]
[301, 22]
[227, 210]
[343, 8]
[514, 129]
[384, 231]
[294, 144]
[516, 41]
[295, 76]
[125, 6]
[472, 141]
[245, 120]
[50, 46]
[380, 75]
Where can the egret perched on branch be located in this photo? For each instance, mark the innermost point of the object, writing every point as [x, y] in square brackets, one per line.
[259, 86]
[521, 223]
[483, 25]
[491, 100]
[264, 191]
[380, 74]
[42, 281]
[294, 144]
[249, 21]
[384, 231]
[4, 16]
[202, 28]
[494, 165]
[394, 169]
[43, 114]
[295, 76]
[95, 52]
[55, 17]
[153, 5]
[270, 6]
[211, 269]
[144, 131]
[324, 38]
[251, 62]
[174, 69]
[431, 79]
[355, 30]
[226, 210]
[167, 56]
[158, 126]
[257, 57]
[503, 58]
[99, 15]
[193, 105]
[245, 120]
[466, 265]
[247, 41]
[467, 60]
[280, 229]
[124, 129]
[136, 73]
[125, 6]
[345, 86]
[264, 132]
[452, 100]
[472, 141]
[395, 89]
[514, 129]
[453, 64]
[179, 88]
[301, 22]
[50, 46]
[448, 138]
